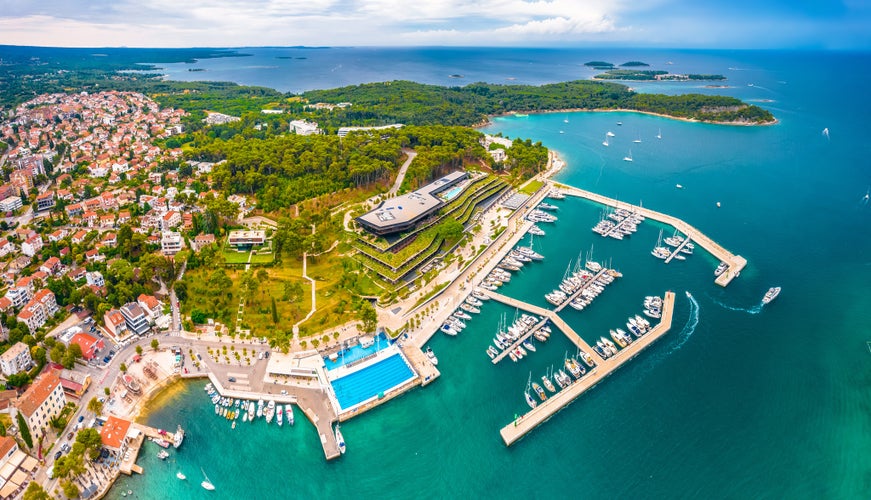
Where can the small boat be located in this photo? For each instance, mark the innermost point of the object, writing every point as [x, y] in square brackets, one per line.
[619, 123]
[251, 411]
[233, 425]
[585, 356]
[163, 443]
[180, 475]
[340, 440]
[659, 134]
[605, 142]
[217, 409]
[721, 268]
[609, 134]
[718, 204]
[288, 413]
[678, 186]
[529, 399]
[260, 408]
[539, 391]
[770, 295]
[547, 383]
[162, 454]
[431, 355]
[628, 157]
[449, 330]
[206, 483]
[178, 437]
[529, 346]
[279, 415]
[269, 411]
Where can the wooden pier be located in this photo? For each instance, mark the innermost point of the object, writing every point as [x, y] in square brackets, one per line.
[580, 289]
[604, 367]
[735, 262]
[678, 249]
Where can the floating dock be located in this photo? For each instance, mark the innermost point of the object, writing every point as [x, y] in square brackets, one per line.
[736, 262]
[678, 249]
[604, 367]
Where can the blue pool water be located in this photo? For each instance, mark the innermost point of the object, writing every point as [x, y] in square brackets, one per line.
[449, 194]
[357, 352]
[372, 380]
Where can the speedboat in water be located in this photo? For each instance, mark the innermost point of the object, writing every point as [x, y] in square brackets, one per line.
[770, 295]
[288, 413]
[721, 268]
[539, 391]
[340, 440]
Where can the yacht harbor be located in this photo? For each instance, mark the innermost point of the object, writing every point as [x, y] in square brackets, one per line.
[522, 425]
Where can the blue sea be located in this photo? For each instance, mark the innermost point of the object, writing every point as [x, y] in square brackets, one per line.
[737, 401]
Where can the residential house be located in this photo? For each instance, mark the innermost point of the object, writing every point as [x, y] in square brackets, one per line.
[57, 235]
[18, 296]
[6, 247]
[75, 383]
[51, 266]
[170, 220]
[114, 322]
[32, 245]
[203, 240]
[79, 237]
[90, 345]
[95, 278]
[109, 240]
[150, 305]
[135, 318]
[10, 204]
[171, 242]
[107, 220]
[41, 402]
[94, 255]
[15, 359]
[45, 201]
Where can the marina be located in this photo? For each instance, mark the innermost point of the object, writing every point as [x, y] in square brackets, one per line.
[734, 263]
[604, 367]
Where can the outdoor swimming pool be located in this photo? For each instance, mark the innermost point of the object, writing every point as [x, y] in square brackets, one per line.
[449, 194]
[357, 352]
[371, 381]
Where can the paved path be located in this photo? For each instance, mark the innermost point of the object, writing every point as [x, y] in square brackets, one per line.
[401, 175]
[314, 296]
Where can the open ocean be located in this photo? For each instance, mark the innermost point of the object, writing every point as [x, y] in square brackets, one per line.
[734, 402]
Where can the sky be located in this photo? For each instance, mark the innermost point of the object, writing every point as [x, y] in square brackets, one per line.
[825, 24]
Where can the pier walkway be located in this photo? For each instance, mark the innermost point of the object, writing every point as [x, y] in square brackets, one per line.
[736, 262]
[580, 290]
[678, 249]
[526, 423]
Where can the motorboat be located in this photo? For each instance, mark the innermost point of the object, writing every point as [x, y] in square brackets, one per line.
[585, 356]
[449, 330]
[340, 440]
[270, 411]
[431, 355]
[770, 295]
[288, 413]
[279, 415]
[539, 391]
[529, 399]
[721, 268]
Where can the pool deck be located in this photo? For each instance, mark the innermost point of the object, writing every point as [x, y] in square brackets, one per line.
[604, 367]
[736, 262]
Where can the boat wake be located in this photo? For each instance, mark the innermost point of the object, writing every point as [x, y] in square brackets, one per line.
[753, 310]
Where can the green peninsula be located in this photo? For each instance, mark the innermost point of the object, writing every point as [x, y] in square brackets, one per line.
[654, 75]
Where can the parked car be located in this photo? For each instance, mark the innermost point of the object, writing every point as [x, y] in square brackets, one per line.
[57, 454]
[232, 379]
[65, 448]
[81, 417]
[106, 359]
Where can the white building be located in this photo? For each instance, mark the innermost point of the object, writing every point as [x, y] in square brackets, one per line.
[10, 204]
[95, 278]
[171, 242]
[15, 359]
[303, 127]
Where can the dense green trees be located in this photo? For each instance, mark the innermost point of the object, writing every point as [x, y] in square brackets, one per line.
[24, 430]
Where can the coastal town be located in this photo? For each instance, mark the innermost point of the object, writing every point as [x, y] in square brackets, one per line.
[101, 224]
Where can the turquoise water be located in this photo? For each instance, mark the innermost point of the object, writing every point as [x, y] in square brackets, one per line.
[370, 381]
[356, 352]
[449, 195]
[735, 402]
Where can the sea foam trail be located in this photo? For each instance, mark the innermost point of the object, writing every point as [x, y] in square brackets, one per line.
[753, 310]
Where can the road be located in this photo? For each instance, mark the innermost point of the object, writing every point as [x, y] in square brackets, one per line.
[401, 176]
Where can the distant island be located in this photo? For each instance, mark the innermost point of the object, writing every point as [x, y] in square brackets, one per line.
[633, 64]
[599, 65]
[455, 75]
[654, 75]
[196, 69]
[290, 57]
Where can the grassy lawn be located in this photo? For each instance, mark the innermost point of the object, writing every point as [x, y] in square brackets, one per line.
[258, 308]
[234, 257]
[267, 258]
[531, 187]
